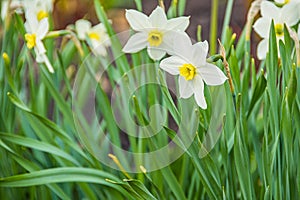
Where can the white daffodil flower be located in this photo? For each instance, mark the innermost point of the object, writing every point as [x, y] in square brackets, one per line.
[189, 62]
[283, 2]
[286, 15]
[36, 31]
[293, 4]
[41, 8]
[14, 5]
[155, 32]
[96, 35]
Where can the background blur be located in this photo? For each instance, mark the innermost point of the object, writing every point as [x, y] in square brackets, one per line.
[68, 11]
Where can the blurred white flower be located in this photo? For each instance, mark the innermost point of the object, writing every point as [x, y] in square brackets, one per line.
[283, 2]
[96, 36]
[155, 32]
[189, 62]
[41, 8]
[35, 33]
[14, 5]
[293, 4]
[288, 14]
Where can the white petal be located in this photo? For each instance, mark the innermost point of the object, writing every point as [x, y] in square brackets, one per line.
[280, 1]
[48, 5]
[262, 49]
[42, 58]
[156, 53]
[158, 18]
[172, 64]
[290, 14]
[178, 24]
[40, 48]
[99, 28]
[39, 58]
[199, 53]
[31, 24]
[48, 64]
[137, 20]
[82, 27]
[269, 9]
[262, 27]
[185, 88]
[26, 5]
[198, 87]
[4, 7]
[136, 43]
[43, 28]
[212, 75]
[100, 50]
[106, 40]
[170, 40]
[183, 46]
[166, 45]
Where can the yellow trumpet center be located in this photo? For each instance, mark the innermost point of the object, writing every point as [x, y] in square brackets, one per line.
[155, 38]
[188, 71]
[41, 15]
[94, 36]
[30, 40]
[279, 29]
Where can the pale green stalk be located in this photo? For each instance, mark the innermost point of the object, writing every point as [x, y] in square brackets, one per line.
[227, 18]
[213, 26]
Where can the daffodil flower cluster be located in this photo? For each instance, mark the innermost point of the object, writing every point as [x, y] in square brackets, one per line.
[37, 27]
[96, 36]
[14, 5]
[161, 36]
[287, 12]
[36, 31]
[36, 24]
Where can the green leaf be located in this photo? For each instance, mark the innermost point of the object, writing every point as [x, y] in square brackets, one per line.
[206, 170]
[234, 69]
[292, 89]
[259, 89]
[176, 140]
[128, 188]
[173, 183]
[49, 124]
[120, 60]
[181, 7]
[241, 158]
[34, 144]
[31, 166]
[61, 175]
[139, 188]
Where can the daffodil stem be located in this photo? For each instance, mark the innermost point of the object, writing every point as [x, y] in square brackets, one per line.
[214, 26]
[199, 31]
[138, 4]
[214, 58]
[54, 34]
[227, 18]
